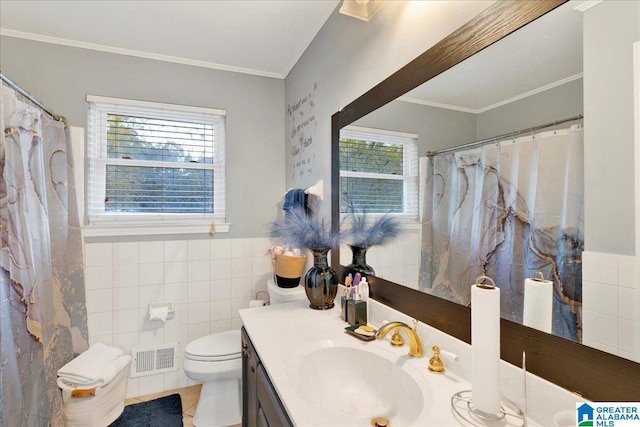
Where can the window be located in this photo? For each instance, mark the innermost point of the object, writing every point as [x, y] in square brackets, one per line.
[154, 164]
[378, 171]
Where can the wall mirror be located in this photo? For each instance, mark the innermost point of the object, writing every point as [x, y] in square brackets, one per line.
[444, 99]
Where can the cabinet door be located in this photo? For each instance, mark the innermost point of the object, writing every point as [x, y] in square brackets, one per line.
[250, 363]
[269, 402]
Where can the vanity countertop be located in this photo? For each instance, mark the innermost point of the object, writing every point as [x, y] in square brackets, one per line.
[283, 334]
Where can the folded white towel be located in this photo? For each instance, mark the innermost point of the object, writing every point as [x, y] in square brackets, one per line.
[87, 366]
[109, 372]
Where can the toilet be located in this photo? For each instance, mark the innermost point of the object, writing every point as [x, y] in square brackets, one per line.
[278, 295]
[216, 361]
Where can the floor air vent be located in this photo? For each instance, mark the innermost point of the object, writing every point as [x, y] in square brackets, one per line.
[154, 360]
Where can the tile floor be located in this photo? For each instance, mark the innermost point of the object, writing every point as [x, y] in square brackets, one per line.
[189, 396]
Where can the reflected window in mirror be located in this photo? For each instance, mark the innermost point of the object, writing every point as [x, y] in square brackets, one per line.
[379, 172]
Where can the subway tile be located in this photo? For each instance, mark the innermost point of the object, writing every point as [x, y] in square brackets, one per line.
[98, 254]
[126, 321]
[220, 310]
[149, 294]
[600, 346]
[198, 270]
[100, 323]
[152, 273]
[175, 333]
[198, 291]
[238, 304]
[98, 277]
[197, 330]
[99, 300]
[125, 298]
[220, 289]
[150, 384]
[627, 338]
[241, 267]
[151, 252]
[220, 248]
[600, 328]
[198, 312]
[220, 325]
[175, 250]
[236, 324]
[261, 265]
[627, 272]
[125, 253]
[260, 246]
[600, 297]
[127, 341]
[152, 337]
[220, 269]
[133, 388]
[103, 339]
[176, 272]
[600, 267]
[629, 355]
[627, 301]
[181, 315]
[174, 380]
[176, 292]
[241, 248]
[198, 250]
[241, 287]
[126, 275]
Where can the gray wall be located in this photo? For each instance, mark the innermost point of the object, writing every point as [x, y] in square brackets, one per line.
[610, 29]
[61, 77]
[349, 57]
[545, 107]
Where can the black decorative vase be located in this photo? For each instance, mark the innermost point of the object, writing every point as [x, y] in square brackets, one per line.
[359, 261]
[321, 282]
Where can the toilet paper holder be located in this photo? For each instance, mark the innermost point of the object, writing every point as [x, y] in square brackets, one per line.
[153, 306]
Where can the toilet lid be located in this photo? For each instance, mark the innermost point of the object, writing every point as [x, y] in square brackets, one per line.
[219, 346]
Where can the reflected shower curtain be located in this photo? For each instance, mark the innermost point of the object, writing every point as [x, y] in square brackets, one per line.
[507, 210]
[43, 318]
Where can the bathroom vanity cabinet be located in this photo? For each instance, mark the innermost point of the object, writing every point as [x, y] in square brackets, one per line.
[261, 406]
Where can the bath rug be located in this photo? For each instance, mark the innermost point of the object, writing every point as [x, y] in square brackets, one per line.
[161, 412]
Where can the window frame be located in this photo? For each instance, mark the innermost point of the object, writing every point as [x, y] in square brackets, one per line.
[409, 166]
[100, 222]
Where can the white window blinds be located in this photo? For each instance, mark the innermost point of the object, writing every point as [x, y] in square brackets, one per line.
[154, 163]
[378, 171]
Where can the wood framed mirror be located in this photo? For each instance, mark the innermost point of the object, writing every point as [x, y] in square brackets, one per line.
[594, 374]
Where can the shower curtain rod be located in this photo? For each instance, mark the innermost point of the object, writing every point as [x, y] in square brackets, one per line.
[504, 136]
[31, 98]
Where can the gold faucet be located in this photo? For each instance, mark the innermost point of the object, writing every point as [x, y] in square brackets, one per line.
[415, 347]
[435, 363]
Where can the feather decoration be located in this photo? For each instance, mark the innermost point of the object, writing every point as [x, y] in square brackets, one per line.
[366, 233]
[301, 231]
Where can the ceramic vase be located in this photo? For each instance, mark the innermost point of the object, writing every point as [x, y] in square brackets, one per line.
[359, 261]
[321, 282]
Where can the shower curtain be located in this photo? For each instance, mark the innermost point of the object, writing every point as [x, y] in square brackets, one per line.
[507, 210]
[43, 318]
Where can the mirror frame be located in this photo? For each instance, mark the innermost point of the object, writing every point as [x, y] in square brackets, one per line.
[591, 373]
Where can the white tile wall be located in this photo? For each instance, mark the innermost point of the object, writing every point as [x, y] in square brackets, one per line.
[209, 281]
[398, 261]
[609, 293]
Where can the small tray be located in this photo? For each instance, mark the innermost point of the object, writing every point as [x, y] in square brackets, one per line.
[351, 331]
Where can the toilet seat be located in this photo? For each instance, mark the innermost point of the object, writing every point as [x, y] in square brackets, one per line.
[216, 347]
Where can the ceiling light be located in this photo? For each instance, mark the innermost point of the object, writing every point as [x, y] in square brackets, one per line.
[361, 9]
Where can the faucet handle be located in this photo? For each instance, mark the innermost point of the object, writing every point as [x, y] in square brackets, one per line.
[435, 363]
[396, 338]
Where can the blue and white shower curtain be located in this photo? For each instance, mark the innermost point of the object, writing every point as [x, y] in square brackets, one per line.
[507, 210]
[43, 319]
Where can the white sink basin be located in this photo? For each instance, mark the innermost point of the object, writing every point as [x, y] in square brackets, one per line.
[354, 385]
